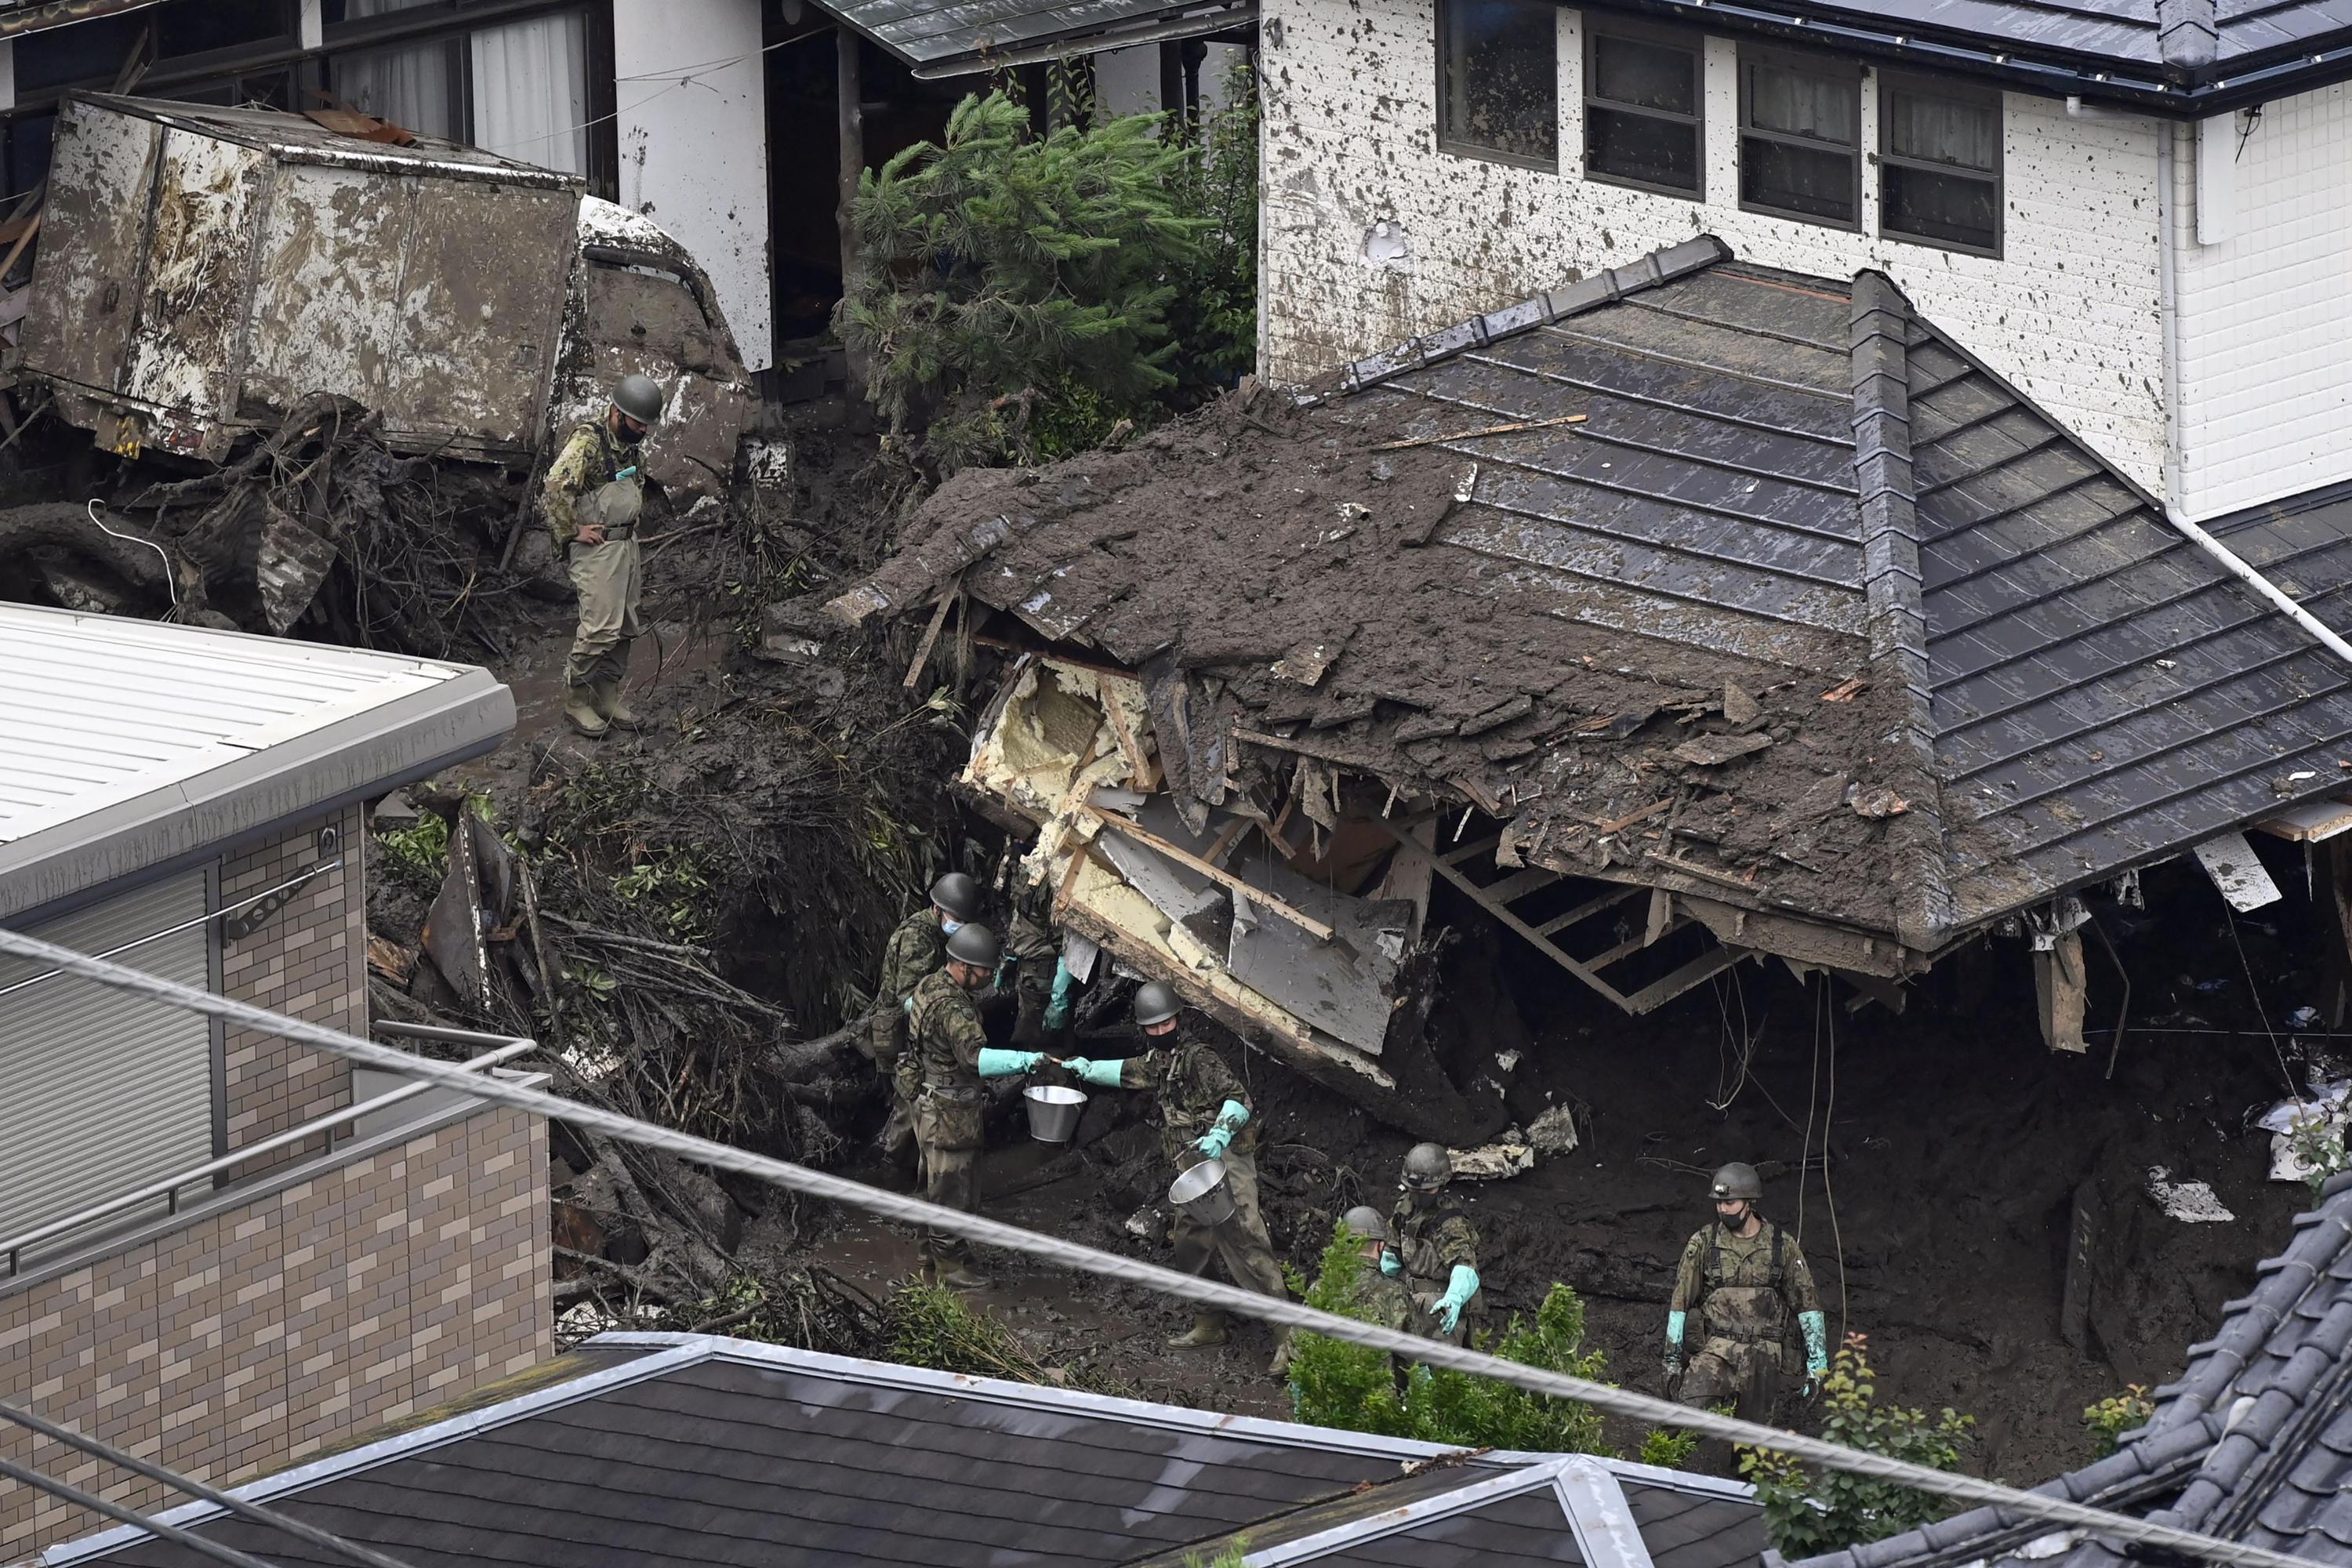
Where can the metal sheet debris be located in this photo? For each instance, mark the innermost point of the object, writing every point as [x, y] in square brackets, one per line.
[2191, 1203]
[2238, 872]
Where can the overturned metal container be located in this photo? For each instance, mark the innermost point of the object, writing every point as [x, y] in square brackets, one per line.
[1202, 1194]
[1053, 1112]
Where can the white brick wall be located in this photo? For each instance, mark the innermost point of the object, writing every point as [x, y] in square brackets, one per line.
[2071, 313]
[2266, 314]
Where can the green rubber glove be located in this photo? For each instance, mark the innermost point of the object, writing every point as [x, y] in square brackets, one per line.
[1057, 1008]
[1101, 1075]
[1459, 1288]
[1674, 1343]
[995, 1063]
[1232, 1117]
[1817, 1347]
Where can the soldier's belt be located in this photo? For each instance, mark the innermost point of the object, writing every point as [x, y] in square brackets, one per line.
[955, 1096]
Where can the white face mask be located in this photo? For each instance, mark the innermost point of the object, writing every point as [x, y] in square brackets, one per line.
[948, 926]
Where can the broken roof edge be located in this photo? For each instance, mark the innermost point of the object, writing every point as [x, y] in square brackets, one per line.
[1887, 501]
[384, 158]
[1658, 267]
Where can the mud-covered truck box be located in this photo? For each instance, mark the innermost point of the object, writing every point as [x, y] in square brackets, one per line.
[202, 270]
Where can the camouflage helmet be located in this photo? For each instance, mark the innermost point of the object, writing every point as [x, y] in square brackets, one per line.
[1737, 1180]
[640, 397]
[958, 894]
[1427, 1167]
[1155, 1004]
[1365, 1221]
[975, 945]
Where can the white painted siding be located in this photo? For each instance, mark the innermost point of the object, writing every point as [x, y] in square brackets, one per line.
[693, 145]
[2071, 313]
[2265, 315]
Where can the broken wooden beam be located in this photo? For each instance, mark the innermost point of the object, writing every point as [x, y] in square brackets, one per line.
[1477, 895]
[930, 639]
[1473, 435]
[1256, 895]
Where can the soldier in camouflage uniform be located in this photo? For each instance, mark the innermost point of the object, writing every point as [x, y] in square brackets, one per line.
[1433, 1247]
[915, 948]
[950, 1054]
[1749, 1284]
[1204, 1114]
[1379, 1297]
[594, 494]
[1041, 982]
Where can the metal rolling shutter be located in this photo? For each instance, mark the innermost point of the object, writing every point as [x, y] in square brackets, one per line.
[101, 1092]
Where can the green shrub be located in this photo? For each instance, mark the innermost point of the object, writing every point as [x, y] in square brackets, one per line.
[2117, 1413]
[1807, 1513]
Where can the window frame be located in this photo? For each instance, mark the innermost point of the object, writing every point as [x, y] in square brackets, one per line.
[1627, 30]
[1751, 55]
[1962, 92]
[1448, 143]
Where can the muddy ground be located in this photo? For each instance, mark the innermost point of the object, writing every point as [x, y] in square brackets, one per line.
[1947, 1146]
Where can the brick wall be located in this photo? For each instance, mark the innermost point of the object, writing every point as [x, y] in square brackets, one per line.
[2071, 312]
[251, 1338]
[2265, 332]
[310, 961]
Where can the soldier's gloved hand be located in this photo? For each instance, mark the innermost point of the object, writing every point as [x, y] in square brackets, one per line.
[995, 1063]
[1817, 1348]
[1212, 1143]
[1057, 1008]
[1460, 1287]
[1101, 1075]
[1674, 1322]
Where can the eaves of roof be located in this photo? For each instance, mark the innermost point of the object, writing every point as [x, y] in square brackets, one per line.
[2153, 70]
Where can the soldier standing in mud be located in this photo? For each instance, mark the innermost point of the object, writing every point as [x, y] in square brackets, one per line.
[1747, 1280]
[952, 1054]
[1433, 1247]
[1204, 1114]
[594, 494]
[915, 948]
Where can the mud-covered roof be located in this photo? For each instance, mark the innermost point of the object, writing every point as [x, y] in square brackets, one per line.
[296, 138]
[1699, 574]
[712, 1450]
[2254, 1442]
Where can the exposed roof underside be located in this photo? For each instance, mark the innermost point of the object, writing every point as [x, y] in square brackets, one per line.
[2254, 1442]
[1850, 629]
[934, 35]
[129, 742]
[709, 1450]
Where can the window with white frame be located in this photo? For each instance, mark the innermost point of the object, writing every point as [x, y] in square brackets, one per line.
[1800, 137]
[1939, 164]
[1644, 108]
[1498, 80]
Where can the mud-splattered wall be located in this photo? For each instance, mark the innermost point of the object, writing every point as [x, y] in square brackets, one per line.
[693, 145]
[2070, 312]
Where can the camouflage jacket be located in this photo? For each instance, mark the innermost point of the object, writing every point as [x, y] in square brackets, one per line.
[944, 1036]
[1431, 1235]
[592, 458]
[1189, 1084]
[1746, 1288]
[1378, 1299]
[915, 948]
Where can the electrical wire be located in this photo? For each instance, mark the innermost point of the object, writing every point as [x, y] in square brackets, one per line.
[1280, 1312]
[25, 1476]
[2255, 995]
[1829, 1190]
[296, 1527]
[170, 578]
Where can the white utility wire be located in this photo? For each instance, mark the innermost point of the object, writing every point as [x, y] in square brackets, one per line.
[171, 577]
[1201, 1291]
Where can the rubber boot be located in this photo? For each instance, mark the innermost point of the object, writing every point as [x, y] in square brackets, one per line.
[1208, 1329]
[961, 1277]
[1281, 1362]
[606, 696]
[580, 707]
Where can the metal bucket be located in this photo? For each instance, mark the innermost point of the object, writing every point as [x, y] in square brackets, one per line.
[1053, 1112]
[1202, 1194]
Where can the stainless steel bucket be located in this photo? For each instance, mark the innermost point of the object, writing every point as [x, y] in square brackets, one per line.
[1053, 1112]
[1202, 1194]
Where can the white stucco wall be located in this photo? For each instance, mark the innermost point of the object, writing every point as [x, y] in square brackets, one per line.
[2265, 330]
[2071, 312]
[694, 144]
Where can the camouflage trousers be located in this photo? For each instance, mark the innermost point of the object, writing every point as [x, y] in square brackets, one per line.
[1751, 1375]
[1241, 1243]
[948, 1132]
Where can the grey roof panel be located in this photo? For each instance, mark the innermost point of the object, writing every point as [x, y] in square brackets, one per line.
[925, 35]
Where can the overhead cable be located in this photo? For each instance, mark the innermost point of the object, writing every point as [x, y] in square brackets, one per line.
[172, 1532]
[801, 1180]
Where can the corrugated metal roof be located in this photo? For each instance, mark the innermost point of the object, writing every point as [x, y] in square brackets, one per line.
[99, 708]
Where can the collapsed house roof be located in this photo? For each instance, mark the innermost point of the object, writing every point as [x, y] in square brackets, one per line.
[2254, 1442]
[1748, 586]
[700, 1449]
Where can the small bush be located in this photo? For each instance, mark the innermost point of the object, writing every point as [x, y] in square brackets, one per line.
[1807, 1513]
[2117, 1413]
